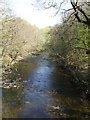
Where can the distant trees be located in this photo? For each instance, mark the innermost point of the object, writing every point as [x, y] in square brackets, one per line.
[11, 45]
[18, 39]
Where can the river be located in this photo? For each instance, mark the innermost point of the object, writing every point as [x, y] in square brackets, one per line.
[45, 92]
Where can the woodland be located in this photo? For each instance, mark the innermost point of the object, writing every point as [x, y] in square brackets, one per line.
[67, 44]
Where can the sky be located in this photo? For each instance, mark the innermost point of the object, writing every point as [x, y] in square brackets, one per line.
[30, 11]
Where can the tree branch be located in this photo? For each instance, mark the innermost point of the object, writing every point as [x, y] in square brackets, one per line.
[78, 9]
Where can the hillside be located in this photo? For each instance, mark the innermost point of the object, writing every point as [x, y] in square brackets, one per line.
[19, 39]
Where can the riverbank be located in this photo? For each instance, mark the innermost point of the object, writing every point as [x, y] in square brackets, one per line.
[79, 77]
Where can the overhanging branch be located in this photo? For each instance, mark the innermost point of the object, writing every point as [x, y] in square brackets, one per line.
[77, 9]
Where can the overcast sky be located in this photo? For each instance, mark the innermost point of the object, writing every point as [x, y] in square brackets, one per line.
[28, 10]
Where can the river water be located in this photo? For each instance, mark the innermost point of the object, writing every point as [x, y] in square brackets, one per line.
[44, 91]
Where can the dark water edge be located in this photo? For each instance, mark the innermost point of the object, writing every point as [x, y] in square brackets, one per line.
[44, 91]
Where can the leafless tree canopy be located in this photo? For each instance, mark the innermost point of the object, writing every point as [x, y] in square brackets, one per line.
[80, 8]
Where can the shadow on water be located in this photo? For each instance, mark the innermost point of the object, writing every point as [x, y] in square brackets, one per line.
[44, 92]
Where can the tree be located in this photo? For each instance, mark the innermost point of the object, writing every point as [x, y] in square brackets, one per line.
[79, 11]
[79, 8]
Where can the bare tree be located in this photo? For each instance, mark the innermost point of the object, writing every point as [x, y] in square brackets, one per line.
[80, 8]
